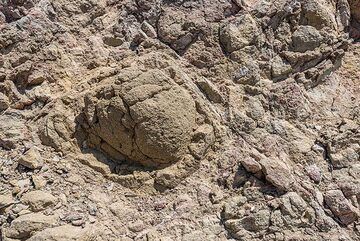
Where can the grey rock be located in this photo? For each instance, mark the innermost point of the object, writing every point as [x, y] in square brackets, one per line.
[306, 38]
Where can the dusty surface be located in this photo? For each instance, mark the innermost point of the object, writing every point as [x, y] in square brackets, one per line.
[179, 120]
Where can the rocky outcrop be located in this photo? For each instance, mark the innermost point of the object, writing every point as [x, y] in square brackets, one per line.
[179, 120]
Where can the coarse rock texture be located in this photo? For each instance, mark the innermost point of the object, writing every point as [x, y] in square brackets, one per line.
[179, 120]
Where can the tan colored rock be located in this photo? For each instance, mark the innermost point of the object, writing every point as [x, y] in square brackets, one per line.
[6, 200]
[57, 129]
[202, 139]
[65, 233]
[277, 173]
[148, 30]
[31, 159]
[39, 181]
[12, 131]
[25, 225]
[38, 200]
[280, 68]
[210, 90]
[149, 120]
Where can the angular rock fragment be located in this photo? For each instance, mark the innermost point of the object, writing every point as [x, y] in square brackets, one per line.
[251, 165]
[6, 200]
[277, 173]
[31, 159]
[314, 173]
[341, 207]
[257, 221]
[319, 14]
[57, 128]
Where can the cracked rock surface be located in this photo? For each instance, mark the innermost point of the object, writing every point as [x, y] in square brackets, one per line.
[179, 120]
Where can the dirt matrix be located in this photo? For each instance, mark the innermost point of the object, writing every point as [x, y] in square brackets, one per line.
[161, 120]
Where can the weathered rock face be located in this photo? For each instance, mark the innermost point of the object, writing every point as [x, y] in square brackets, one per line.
[179, 120]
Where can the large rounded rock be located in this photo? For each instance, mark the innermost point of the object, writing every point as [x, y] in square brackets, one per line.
[148, 120]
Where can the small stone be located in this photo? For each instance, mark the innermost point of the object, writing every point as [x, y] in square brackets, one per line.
[113, 41]
[306, 38]
[31, 159]
[148, 30]
[280, 68]
[137, 226]
[36, 78]
[341, 207]
[80, 222]
[210, 90]
[92, 219]
[6, 200]
[314, 173]
[39, 181]
[73, 217]
[256, 222]
[251, 165]
[38, 200]
[92, 209]
[19, 207]
[277, 173]
[239, 33]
